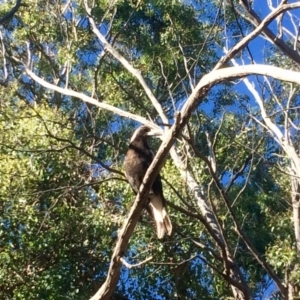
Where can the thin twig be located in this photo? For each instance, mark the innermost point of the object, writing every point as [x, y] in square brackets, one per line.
[130, 266]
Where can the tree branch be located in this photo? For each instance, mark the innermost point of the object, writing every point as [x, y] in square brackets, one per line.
[261, 26]
[136, 73]
[11, 13]
[87, 99]
[276, 40]
[130, 266]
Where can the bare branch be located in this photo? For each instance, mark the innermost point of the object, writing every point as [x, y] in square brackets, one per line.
[136, 73]
[11, 13]
[197, 95]
[5, 73]
[272, 127]
[261, 26]
[130, 266]
[87, 99]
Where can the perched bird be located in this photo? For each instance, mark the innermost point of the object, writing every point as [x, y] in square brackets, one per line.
[137, 160]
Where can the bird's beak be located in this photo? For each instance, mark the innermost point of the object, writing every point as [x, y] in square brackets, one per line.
[155, 132]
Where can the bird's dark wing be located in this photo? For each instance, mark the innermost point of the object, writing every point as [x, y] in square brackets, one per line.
[136, 165]
[137, 160]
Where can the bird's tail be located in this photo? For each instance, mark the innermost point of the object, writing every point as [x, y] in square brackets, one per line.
[159, 213]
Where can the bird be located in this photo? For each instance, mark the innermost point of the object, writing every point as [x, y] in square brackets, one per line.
[137, 160]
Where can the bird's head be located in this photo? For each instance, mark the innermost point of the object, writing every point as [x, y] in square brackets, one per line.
[144, 132]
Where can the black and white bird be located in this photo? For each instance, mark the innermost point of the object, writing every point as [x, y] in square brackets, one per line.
[137, 160]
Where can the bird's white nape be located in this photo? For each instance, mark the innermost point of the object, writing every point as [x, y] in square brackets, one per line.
[154, 132]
